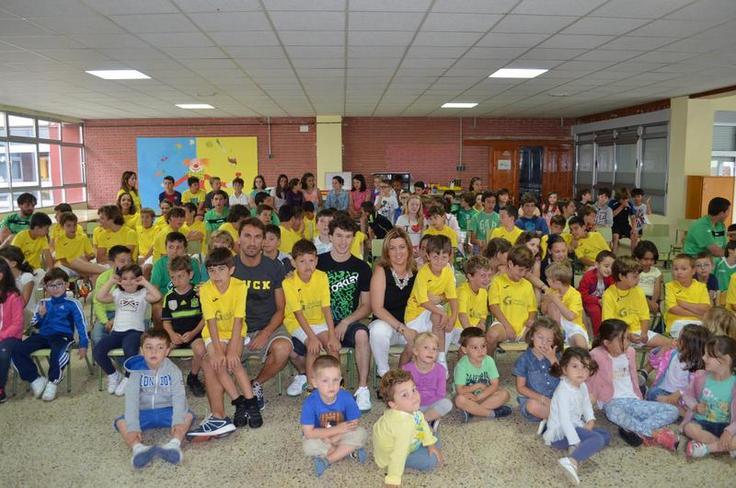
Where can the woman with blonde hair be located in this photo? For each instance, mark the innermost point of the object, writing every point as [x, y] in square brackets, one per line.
[391, 285]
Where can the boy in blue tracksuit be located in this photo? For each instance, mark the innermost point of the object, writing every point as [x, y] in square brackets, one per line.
[55, 318]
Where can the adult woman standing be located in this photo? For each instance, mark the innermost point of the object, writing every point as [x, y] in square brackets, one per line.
[476, 185]
[359, 193]
[278, 192]
[259, 185]
[310, 191]
[129, 184]
[391, 284]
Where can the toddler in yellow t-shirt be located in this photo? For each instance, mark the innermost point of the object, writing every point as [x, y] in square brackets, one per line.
[472, 299]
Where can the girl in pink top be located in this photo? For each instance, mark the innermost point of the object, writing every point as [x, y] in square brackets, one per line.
[615, 389]
[310, 191]
[11, 322]
[430, 378]
[359, 193]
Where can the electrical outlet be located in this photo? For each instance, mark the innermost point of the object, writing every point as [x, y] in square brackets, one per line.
[304, 128]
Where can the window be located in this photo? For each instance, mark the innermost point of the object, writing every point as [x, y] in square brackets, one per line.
[627, 157]
[42, 157]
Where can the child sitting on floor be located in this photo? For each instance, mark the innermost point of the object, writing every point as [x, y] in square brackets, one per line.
[401, 437]
[534, 382]
[430, 378]
[330, 418]
[711, 401]
[571, 423]
[154, 399]
[476, 379]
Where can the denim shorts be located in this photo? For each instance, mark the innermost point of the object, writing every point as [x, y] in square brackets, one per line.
[524, 412]
[715, 428]
[153, 418]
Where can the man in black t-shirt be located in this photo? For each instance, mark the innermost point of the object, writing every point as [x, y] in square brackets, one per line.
[264, 308]
[350, 280]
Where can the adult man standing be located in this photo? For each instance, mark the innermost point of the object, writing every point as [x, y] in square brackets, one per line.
[350, 282]
[264, 308]
[708, 233]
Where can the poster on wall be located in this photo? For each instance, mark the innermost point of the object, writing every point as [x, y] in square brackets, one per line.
[203, 157]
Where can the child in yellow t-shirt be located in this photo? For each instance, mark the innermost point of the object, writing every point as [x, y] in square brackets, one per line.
[686, 299]
[195, 194]
[308, 317]
[175, 219]
[438, 225]
[511, 299]
[197, 230]
[507, 230]
[292, 227]
[472, 299]
[146, 234]
[563, 303]
[586, 244]
[223, 301]
[34, 242]
[56, 231]
[309, 222]
[74, 251]
[433, 287]
[237, 214]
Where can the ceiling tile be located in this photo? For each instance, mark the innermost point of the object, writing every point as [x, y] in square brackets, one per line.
[706, 10]
[26, 8]
[78, 25]
[637, 43]
[308, 21]
[649, 9]
[179, 39]
[97, 41]
[117, 7]
[496, 39]
[553, 54]
[245, 39]
[557, 7]
[495, 52]
[41, 42]
[315, 51]
[569, 41]
[672, 28]
[17, 27]
[603, 26]
[368, 38]
[385, 21]
[374, 51]
[194, 52]
[391, 5]
[218, 5]
[312, 38]
[445, 22]
[473, 6]
[302, 5]
[154, 23]
[231, 21]
[446, 38]
[608, 55]
[533, 24]
[263, 52]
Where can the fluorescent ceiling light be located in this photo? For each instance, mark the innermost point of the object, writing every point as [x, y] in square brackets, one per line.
[194, 106]
[459, 105]
[517, 73]
[119, 74]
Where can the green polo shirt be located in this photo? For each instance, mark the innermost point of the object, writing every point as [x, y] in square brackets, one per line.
[703, 234]
[16, 223]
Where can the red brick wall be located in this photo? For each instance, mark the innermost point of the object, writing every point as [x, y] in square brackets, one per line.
[428, 148]
[111, 146]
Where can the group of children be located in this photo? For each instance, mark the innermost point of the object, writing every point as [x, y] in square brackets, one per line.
[522, 266]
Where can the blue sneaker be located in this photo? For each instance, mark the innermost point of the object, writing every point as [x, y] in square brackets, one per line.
[143, 455]
[210, 428]
[502, 411]
[171, 453]
[359, 455]
[320, 466]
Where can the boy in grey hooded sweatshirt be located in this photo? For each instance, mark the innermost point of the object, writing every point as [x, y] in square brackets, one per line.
[154, 398]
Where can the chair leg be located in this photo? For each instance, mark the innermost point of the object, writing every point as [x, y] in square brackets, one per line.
[280, 382]
[69, 377]
[90, 368]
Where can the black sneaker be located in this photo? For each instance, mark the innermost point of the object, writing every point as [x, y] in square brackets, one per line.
[502, 411]
[631, 438]
[195, 386]
[253, 412]
[240, 417]
[258, 393]
[3, 397]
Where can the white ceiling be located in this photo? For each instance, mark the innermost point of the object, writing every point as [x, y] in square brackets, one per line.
[360, 57]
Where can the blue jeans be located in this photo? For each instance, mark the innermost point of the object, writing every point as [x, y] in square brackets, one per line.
[130, 341]
[421, 459]
[640, 416]
[591, 442]
[6, 354]
[59, 345]
[655, 392]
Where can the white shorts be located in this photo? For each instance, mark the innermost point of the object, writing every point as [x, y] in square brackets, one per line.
[302, 336]
[452, 337]
[422, 323]
[208, 341]
[570, 329]
[678, 325]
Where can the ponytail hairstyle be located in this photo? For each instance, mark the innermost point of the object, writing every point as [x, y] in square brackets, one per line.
[15, 254]
[611, 330]
[571, 353]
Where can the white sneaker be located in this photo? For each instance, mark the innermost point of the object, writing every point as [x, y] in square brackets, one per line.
[112, 382]
[38, 385]
[363, 398]
[49, 393]
[120, 390]
[571, 472]
[297, 385]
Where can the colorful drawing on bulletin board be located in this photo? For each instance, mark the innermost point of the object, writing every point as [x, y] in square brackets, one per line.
[182, 157]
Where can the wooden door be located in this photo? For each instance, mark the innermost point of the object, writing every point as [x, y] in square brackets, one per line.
[558, 171]
[504, 171]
